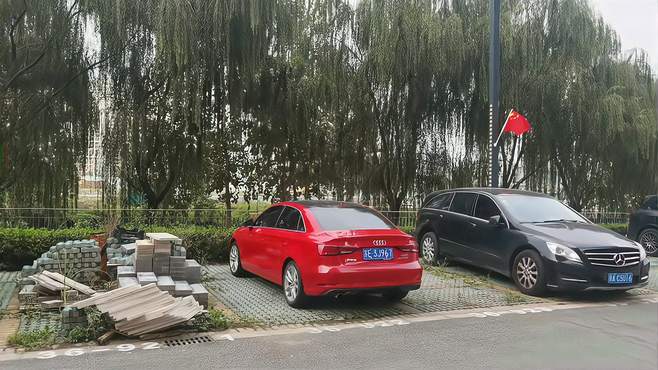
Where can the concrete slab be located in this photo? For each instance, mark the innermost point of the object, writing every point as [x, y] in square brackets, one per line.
[182, 288]
[145, 278]
[166, 283]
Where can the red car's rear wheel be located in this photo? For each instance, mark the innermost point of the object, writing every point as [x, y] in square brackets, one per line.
[293, 288]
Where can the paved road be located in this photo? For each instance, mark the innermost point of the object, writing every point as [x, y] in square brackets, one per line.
[620, 337]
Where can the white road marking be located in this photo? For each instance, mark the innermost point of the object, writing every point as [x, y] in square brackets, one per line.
[317, 329]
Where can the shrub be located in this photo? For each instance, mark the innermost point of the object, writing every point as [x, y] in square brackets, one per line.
[97, 325]
[20, 247]
[31, 340]
[408, 229]
[619, 228]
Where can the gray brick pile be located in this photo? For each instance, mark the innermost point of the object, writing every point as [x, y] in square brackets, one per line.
[72, 317]
[70, 255]
[67, 256]
[161, 259]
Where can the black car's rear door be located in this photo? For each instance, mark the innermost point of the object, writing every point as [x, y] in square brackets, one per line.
[459, 225]
[435, 212]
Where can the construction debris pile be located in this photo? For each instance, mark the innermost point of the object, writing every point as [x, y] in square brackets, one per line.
[72, 255]
[160, 259]
[52, 290]
[159, 287]
[138, 310]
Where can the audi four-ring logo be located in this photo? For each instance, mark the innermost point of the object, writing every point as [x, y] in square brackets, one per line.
[379, 242]
[619, 259]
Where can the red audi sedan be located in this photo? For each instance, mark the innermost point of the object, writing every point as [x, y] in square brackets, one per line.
[315, 248]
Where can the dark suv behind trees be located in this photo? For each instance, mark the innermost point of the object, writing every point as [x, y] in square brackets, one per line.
[643, 225]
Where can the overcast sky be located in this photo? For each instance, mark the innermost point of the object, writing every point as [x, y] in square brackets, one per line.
[636, 22]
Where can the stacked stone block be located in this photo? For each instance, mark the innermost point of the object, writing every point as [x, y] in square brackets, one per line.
[72, 317]
[143, 260]
[67, 256]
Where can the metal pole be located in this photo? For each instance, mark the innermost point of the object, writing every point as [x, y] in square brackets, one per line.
[494, 87]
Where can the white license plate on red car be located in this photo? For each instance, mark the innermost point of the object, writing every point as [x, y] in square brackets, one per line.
[377, 254]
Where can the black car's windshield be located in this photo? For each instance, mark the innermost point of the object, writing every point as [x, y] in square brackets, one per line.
[349, 218]
[533, 209]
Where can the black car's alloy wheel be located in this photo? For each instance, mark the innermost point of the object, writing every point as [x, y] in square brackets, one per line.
[528, 273]
[429, 248]
[649, 240]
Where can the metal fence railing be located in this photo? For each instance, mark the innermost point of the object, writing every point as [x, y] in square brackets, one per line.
[599, 217]
[55, 218]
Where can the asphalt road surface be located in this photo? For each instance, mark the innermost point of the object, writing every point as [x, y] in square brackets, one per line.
[620, 337]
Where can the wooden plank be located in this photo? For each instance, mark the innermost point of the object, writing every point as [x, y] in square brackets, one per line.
[69, 282]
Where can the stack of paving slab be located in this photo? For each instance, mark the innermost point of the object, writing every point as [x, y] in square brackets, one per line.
[161, 259]
[52, 289]
[143, 257]
[138, 310]
[71, 255]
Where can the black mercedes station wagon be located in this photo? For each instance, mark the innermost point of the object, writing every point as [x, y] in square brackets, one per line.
[536, 240]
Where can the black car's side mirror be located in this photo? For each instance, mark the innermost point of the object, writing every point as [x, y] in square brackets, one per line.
[248, 222]
[496, 221]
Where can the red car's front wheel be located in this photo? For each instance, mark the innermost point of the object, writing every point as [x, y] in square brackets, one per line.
[293, 288]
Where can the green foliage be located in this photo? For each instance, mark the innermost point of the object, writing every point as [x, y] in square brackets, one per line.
[408, 229]
[47, 109]
[218, 321]
[20, 246]
[78, 334]
[619, 228]
[32, 340]
[380, 100]
[214, 319]
[97, 325]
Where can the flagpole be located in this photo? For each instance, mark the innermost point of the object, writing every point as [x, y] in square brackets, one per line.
[502, 129]
[494, 87]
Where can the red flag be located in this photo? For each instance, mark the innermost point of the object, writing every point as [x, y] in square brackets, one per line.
[516, 123]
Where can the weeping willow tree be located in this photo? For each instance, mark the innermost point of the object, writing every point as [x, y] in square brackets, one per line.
[563, 67]
[380, 101]
[47, 110]
[177, 86]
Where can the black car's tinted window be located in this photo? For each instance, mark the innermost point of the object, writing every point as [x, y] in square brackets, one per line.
[440, 201]
[531, 208]
[463, 203]
[290, 219]
[350, 218]
[269, 217]
[651, 203]
[486, 208]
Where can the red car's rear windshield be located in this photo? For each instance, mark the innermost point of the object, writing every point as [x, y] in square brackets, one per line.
[349, 218]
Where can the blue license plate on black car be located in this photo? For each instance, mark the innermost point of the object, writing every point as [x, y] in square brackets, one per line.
[377, 254]
[620, 278]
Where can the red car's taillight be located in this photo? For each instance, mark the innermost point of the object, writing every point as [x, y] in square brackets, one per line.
[411, 247]
[334, 250]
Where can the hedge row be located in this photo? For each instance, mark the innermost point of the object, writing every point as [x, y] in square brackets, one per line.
[619, 228]
[20, 246]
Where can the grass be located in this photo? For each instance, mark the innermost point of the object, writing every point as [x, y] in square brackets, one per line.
[218, 320]
[510, 296]
[32, 340]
